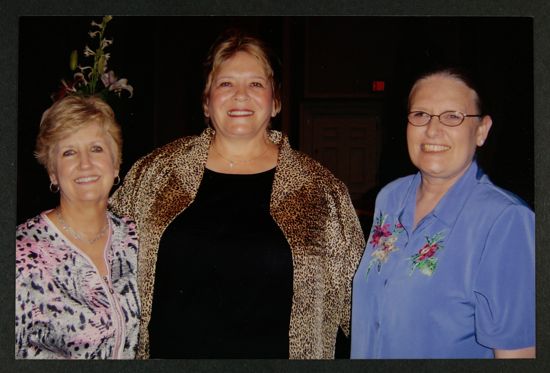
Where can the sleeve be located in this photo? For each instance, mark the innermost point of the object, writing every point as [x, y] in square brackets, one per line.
[24, 300]
[353, 244]
[504, 286]
[22, 318]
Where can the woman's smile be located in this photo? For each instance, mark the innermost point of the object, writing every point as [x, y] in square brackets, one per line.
[86, 179]
[240, 113]
[434, 148]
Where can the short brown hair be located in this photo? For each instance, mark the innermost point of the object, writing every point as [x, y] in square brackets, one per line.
[69, 115]
[230, 43]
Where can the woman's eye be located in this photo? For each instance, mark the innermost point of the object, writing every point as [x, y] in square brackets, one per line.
[68, 153]
[97, 149]
[256, 84]
[452, 116]
[225, 84]
[420, 114]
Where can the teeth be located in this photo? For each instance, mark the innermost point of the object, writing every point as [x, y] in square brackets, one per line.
[435, 148]
[240, 112]
[86, 179]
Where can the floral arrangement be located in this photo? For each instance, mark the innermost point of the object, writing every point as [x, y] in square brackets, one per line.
[425, 260]
[383, 241]
[94, 79]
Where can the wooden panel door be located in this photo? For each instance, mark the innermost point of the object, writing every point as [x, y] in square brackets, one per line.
[345, 138]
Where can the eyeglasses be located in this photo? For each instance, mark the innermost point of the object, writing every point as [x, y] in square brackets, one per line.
[447, 118]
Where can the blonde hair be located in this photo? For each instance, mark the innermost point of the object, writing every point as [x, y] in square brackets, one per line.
[70, 114]
[230, 43]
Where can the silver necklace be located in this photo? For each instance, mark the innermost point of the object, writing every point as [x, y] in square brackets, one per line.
[233, 163]
[66, 227]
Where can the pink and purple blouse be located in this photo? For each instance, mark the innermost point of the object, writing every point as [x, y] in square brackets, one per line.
[64, 309]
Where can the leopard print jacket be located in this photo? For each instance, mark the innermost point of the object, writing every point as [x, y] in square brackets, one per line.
[311, 207]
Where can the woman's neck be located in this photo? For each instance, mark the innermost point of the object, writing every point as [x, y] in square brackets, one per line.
[88, 219]
[429, 193]
[241, 149]
[242, 156]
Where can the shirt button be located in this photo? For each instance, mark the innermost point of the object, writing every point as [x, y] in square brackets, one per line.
[377, 325]
[385, 282]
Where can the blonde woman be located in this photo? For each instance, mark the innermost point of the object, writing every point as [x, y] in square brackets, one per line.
[76, 292]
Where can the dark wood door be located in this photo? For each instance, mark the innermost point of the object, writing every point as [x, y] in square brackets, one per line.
[345, 138]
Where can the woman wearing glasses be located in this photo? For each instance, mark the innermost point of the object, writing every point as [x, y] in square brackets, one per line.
[448, 271]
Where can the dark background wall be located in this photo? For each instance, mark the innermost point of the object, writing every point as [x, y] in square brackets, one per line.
[325, 60]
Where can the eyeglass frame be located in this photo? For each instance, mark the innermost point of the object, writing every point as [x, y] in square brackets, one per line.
[464, 116]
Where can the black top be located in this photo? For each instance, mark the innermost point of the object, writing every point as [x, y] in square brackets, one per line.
[223, 282]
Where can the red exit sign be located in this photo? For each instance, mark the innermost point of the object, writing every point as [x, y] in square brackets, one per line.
[378, 85]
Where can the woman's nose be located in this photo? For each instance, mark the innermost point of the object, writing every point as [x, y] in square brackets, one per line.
[433, 127]
[241, 94]
[84, 160]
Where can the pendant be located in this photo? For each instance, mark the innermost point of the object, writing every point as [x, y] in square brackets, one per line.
[231, 164]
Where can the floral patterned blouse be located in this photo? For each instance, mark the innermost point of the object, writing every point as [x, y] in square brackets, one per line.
[64, 309]
[458, 285]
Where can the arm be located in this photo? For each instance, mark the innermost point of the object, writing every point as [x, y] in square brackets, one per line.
[24, 298]
[21, 318]
[504, 287]
[522, 353]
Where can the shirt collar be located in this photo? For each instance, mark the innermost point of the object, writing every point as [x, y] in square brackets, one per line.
[454, 200]
[449, 207]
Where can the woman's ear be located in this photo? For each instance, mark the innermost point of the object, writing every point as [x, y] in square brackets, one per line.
[275, 108]
[205, 108]
[53, 178]
[483, 129]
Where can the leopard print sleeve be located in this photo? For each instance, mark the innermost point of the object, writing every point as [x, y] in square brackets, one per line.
[352, 251]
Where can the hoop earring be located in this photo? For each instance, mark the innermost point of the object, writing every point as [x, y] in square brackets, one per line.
[117, 180]
[54, 188]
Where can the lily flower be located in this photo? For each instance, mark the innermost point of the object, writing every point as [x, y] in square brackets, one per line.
[106, 42]
[121, 84]
[88, 51]
[86, 79]
[79, 78]
[116, 85]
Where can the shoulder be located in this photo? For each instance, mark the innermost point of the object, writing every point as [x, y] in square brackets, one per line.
[122, 222]
[31, 238]
[164, 155]
[397, 185]
[34, 230]
[157, 165]
[493, 199]
[125, 227]
[395, 191]
[499, 195]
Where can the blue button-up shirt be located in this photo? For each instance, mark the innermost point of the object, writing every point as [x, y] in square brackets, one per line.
[458, 285]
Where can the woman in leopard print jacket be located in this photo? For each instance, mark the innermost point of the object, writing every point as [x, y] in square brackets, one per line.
[247, 247]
